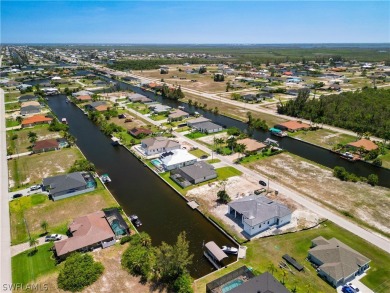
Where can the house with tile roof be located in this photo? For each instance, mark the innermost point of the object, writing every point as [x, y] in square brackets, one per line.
[366, 144]
[292, 126]
[258, 213]
[337, 263]
[252, 145]
[87, 232]
[35, 120]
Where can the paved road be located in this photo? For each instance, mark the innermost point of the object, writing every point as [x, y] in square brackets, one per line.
[16, 249]
[5, 233]
[377, 240]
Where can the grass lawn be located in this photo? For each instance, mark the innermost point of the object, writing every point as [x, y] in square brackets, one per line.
[212, 161]
[12, 97]
[33, 168]
[12, 106]
[195, 134]
[385, 160]
[11, 122]
[22, 142]
[27, 267]
[58, 214]
[323, 137]
[262, 252]
[253, 158]
[198, 153]
[182, 129]
[226, 172]
[158, 117]
[139, 107]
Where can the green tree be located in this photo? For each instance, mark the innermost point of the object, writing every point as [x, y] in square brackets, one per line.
[183, 284]
[173, 261]
[377, 162]
[44, 225]
[82, 165]
[271, 267]
[223, 196]
[79, 271]
[33, 242]
[372, 179]
[139, 260]
[32, 136]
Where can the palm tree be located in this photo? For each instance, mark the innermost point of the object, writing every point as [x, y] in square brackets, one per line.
[241, 148]
[33, 242]
[44, 225]
[32, 136]
[145, 239]
[284, 277]
[271, 267]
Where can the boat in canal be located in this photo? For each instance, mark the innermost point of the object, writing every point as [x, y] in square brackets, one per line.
[115, 141]
[105, 178]
[135, 220]
[64, 121]
[348, 156]
[271, 142]
[278, 132]
[229, 249]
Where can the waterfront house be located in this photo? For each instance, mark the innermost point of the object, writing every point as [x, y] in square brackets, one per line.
[159, 109]
[27, 98]
[134, 97]
[35, 120]
[30, 107]
[158, 145]
[176, 159]
[84, 98]
[99, 106]
[177, 115]
[86, 233]
[292, 126]
[63, 186]
[207, 127]
[363, 143]
[337, 263]
[139, 132]
[193, 122]
[193, 174]
[49, 145]
[252, 145]
[251, 97]
[258, 213]
[82, 93]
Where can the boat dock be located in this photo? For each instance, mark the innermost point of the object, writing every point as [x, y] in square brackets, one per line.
[193, 204]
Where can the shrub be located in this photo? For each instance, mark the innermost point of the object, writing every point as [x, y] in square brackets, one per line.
[372, 179]
[125, 239]
[183, 284]
[377, 162]
[80, 271]
[223, 196]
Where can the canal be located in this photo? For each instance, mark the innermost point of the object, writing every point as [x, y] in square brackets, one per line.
[300, 148]
[138, 190]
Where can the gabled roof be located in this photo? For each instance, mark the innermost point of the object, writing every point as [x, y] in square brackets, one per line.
[294, 125]
[30, 103]
[208, 125]
[251, 144]
[84, 98]
[368, 145]
[197, 120]
[258, 209]
[86, 230]
[264, 283]
[177, 113]
[198, 170]
[46, 144]
[137, 131]
[65, 182]
[339, 260]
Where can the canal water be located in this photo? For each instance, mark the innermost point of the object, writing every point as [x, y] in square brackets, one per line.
[305, 150]
[138, 190]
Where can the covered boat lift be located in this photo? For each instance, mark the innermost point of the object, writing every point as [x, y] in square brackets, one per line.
[214, 254]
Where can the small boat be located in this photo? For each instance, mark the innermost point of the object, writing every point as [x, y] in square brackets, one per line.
[135, 220]
[229, 249]
[115, 141]
[271, 142]
[64, 121]
[105, 178]
[347, 156]
[181, 107]
[278, 132]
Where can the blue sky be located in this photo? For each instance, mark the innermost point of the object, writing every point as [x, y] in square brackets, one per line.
[195, 22]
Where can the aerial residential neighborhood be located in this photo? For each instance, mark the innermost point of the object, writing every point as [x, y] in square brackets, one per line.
[195, 146]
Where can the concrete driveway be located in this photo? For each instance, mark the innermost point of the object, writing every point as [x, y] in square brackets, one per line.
[16, 249]
[25, 192]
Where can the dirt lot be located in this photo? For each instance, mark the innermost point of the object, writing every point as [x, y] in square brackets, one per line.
[362, 201]
[209, 139]
[33, 168]
[204, 83]
[114, 278]
[324, 137]
[239, 187]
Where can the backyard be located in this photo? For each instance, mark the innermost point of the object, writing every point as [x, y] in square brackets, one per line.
[263, 252]
[324, 137]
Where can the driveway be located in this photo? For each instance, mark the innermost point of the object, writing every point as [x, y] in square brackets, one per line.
[16, 249]
[25, 192]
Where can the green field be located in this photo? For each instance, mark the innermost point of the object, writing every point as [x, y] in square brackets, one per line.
[198, 153]
[28, 266]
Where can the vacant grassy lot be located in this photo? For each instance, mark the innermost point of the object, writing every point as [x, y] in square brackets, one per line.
[22, 142]
[198, 153]
[12, 106]
[58, 214]
[11, 122]
[226, 172]
[369, 206]
[195, 134]
[28, 266]
[139, 107]
[262, 252]
[32, 169]
[323, 137]
[12, 97]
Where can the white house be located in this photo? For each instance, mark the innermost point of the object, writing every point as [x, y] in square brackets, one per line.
[158, 145]
[177, 159]
[259, 213]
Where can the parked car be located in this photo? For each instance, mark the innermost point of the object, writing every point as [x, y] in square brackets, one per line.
[204, 157]
[17, 195]
[261, 182]
[53, 237]
[35, 187]
[347, 289]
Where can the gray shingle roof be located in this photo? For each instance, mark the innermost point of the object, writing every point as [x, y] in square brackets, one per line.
[159, 142]
[198, 170]
[264, 283]
[65, 182]
[339, 260]
[258, 209]
[207, 125]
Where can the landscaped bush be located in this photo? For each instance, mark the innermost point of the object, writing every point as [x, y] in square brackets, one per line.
[125, 239]
[80, 271]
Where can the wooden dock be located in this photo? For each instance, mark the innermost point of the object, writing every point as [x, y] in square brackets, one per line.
[193, 204]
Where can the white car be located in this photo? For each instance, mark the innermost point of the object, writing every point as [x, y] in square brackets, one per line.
[35, 187]
[53, 237]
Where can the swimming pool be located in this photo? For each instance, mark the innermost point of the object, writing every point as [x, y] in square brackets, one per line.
[156, 162]
[231, 285]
